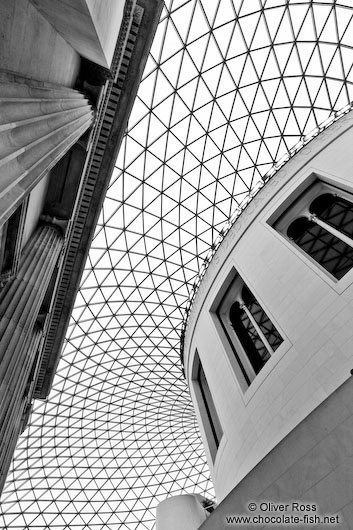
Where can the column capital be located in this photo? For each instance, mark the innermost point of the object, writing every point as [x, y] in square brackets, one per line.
[59, 224]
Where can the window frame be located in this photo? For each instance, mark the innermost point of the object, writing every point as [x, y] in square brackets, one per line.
[230, 292]
[209, 416]
[11, 236]
[298, 205]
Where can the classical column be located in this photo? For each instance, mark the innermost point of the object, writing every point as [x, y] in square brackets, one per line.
[20, 302]
[19, 409]
[37, 127]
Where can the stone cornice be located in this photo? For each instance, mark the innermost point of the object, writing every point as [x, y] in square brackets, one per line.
[112, 114]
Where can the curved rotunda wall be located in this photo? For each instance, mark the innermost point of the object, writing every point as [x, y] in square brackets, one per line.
[310, 308]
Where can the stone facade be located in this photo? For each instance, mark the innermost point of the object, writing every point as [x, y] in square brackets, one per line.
[66, 89]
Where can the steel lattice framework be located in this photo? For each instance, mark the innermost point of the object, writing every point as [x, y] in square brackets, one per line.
[229, 88]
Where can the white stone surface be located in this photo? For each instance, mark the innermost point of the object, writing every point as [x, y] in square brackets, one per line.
[182, 512]
[91, 27]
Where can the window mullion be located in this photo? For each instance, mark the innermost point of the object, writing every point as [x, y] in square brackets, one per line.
[332, 230]
[258, 329]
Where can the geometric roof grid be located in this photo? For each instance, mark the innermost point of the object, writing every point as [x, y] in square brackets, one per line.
[229, 88]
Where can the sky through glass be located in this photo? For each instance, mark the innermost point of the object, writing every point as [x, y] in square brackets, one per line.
[229, 88]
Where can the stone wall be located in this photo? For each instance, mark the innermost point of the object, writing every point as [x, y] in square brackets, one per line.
[313, 466]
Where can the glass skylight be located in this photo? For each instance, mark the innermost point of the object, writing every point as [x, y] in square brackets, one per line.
[229, 88]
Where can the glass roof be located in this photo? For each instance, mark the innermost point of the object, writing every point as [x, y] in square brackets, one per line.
[228, 89]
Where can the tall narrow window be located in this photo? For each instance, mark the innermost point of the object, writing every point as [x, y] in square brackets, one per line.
[325, 233]
[11, 243]
[250, 331]
[209, 416]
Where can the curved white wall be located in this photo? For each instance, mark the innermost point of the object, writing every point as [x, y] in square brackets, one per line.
[181, 512]
[312, 311]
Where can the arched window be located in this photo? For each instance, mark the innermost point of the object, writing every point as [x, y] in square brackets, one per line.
[251, 334]
[326, 234]
[255, 331]
[335, 211]
[266, 326]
